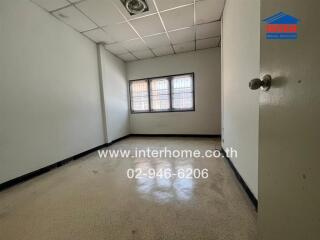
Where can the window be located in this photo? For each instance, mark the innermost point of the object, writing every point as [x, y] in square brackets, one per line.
[182, 92]
[163, 94]
[139, 96]
[160, 94]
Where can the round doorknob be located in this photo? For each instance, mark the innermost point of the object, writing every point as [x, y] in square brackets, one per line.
[264, 84]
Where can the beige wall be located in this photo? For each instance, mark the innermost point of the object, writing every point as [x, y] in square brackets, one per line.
[115, 95]
[49, 90]
[206, 119]
[240, 105]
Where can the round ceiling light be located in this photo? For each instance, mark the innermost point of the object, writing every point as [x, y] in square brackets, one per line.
[136, 6]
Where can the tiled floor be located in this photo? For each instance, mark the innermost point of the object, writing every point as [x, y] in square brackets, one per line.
[92, 198]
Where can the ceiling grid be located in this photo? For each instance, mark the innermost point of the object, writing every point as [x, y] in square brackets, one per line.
[169, 27]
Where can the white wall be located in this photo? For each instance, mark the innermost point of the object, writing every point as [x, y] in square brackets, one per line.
[49, 90]
[240, 63]
[115, 94]
[206, 119]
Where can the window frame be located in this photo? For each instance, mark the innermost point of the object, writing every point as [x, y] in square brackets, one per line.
[169, 77]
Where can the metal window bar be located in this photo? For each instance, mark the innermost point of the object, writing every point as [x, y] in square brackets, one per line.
[173, 93]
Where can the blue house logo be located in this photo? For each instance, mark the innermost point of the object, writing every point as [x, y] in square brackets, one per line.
[281, 26]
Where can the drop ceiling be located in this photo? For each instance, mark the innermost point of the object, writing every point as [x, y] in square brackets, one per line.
[169, 27]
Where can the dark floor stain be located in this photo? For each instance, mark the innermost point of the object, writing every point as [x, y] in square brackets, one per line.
[133, 231]
[304, 176]
[95, 171]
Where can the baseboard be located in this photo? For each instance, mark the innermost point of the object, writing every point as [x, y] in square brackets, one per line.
[242, 182]
[178, 135]
[43, 170]
[118, 139]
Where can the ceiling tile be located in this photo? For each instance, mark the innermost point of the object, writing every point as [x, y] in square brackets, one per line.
[183, 35]
[157, 40]
[134, 45]
[208, 30]
[51, 5]
[178, 18]
[162, 51]
[116, 48]
[167, 4]
[208, 10]
[184, 47]
[74, 18]
[143, 54]
[120, 6]
[127, 57]
[207, 43]
[102, 12]
[99, 35]
[121, 32]
[148, 25]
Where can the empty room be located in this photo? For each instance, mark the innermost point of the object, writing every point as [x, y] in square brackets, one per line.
[159, 119]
